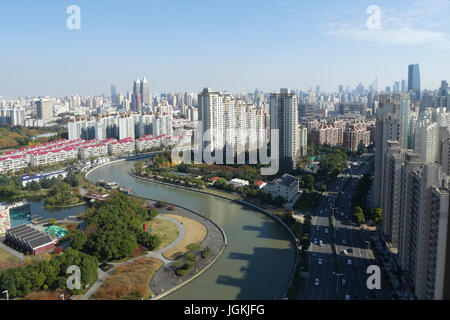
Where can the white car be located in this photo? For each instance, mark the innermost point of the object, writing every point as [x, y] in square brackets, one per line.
[320, 243]
[344, 252]
[316, 282]
[349, 262]
[319, 261]
[347, 297]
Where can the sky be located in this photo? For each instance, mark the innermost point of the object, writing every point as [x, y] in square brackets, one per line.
[227, 45]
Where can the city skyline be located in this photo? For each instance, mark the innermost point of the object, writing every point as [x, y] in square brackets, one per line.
[164, 42]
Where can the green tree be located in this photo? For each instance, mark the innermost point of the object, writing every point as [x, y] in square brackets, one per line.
[77, 239]
[359, 215]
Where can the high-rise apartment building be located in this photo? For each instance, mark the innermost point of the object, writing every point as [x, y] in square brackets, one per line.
[405, 113]
[44, 109]
[284, 118]
[426, 140]
[388, 127]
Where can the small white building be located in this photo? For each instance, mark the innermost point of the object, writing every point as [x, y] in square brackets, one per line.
[286, 187]
[239, 183]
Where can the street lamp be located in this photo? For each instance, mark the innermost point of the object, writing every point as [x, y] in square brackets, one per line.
[337, 281]
[7, 294]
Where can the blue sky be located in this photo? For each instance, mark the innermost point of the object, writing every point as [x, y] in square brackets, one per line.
[184, 45]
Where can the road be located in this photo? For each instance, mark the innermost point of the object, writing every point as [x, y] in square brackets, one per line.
[335, 266]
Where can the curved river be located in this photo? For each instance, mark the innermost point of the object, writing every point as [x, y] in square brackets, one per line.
[256, 264]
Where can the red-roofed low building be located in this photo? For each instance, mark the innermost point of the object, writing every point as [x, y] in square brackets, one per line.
[260, 184]
[147, 143]
[13, 163]
[93, 150]
[124, 146]
[213, 180]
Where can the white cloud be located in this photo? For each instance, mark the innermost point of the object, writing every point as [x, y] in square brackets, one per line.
[419, 25]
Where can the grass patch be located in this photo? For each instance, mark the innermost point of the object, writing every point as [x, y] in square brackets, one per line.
[195, 233]
[167, 231]
[129, 281]
[7, 260]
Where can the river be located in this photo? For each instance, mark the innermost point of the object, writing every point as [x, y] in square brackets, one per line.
[259, 258]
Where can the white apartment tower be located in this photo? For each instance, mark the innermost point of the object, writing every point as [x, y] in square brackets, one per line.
[284, 118]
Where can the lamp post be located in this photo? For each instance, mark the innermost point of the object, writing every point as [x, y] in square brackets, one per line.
[337, 281]
[7, 294]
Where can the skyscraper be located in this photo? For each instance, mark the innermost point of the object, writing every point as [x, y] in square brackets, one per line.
[136, 97]
[145, 92]
[414, 80]
[284, 117]
[113, 95]
[403, 88]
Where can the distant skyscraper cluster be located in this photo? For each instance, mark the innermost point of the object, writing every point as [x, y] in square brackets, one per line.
[141, 95]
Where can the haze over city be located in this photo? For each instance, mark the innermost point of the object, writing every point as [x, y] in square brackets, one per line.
[232, 46]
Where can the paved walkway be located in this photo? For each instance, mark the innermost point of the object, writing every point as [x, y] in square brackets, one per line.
[165, 278]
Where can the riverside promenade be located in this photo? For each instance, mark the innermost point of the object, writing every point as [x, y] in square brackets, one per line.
[165, 280]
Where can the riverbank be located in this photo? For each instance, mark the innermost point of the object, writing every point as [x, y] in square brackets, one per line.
[165, 281]
[244, 203]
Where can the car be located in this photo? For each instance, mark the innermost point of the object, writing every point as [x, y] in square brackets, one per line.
[349, 262]
[319, 261]
[321, 211]
[347, 297]
[326, 230]
[344, 241]
[347, 228]
[344, 282]
[320, 243]
[344, 252]
[315, 240]
[342, 214]
[317, 228]
[316, 282]
[313, 254]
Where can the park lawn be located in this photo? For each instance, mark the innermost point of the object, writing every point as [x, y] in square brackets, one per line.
[195, 233]
[7, 260]
[130, 281]
[167, 231]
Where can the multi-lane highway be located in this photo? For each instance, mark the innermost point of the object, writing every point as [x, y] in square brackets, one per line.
[339, 272]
